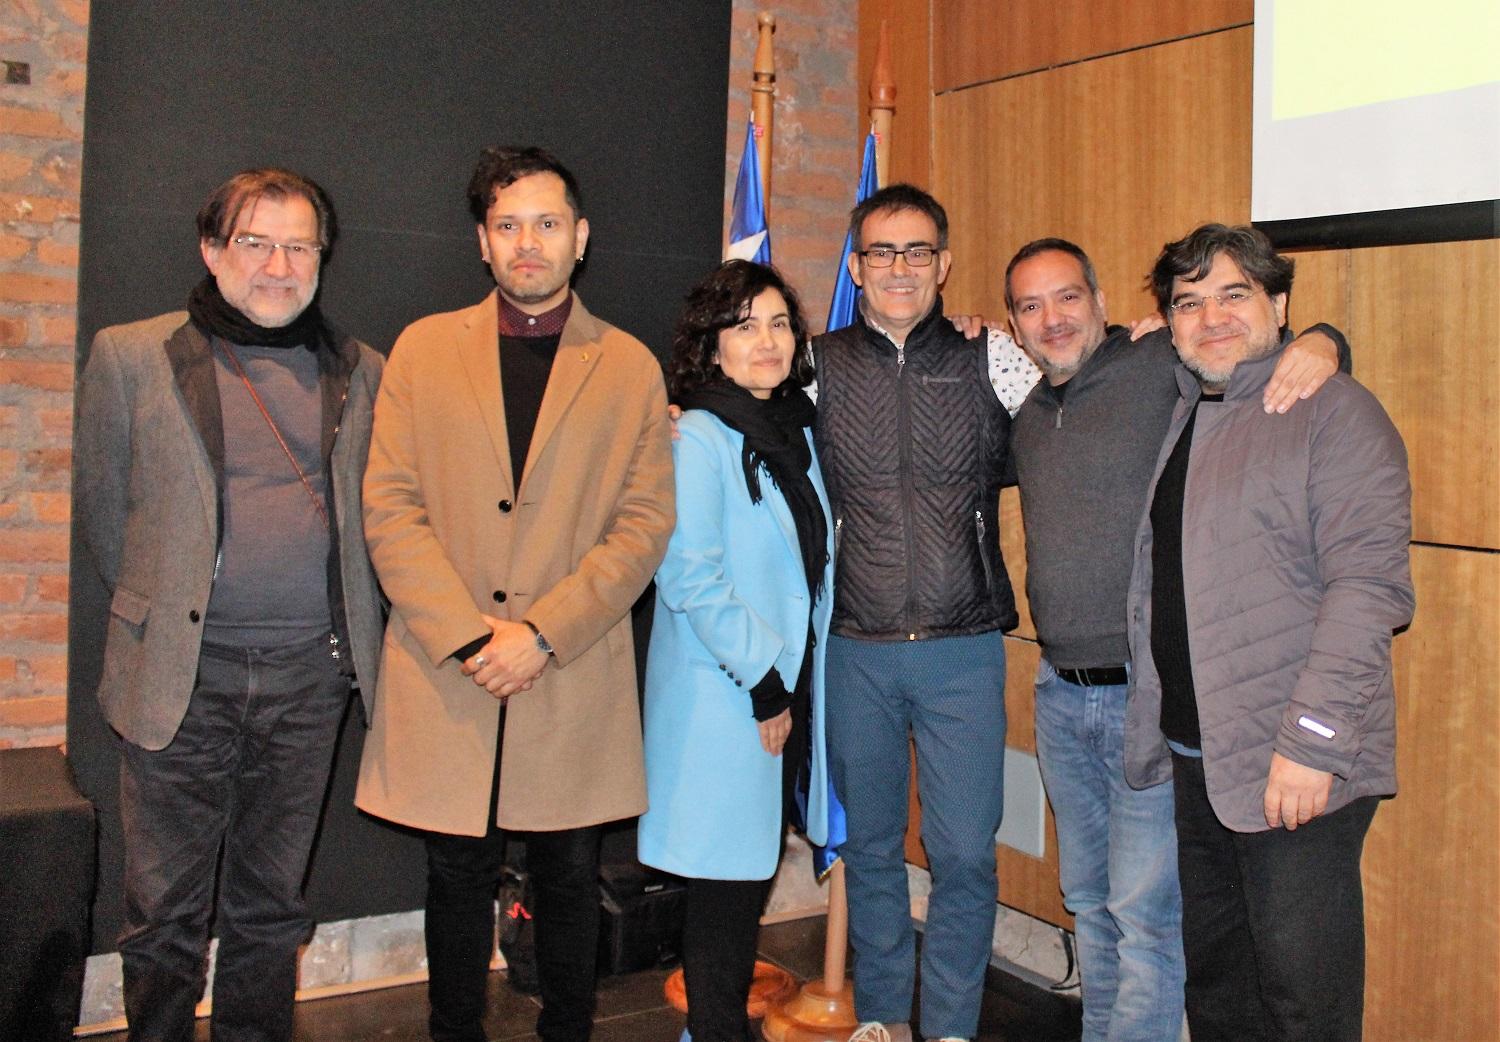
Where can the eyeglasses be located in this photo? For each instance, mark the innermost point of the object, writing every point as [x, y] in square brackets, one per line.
[261, 250]
[884, 256]
[1231, 301]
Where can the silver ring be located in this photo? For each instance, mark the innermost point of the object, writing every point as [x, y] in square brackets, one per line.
[479, 661]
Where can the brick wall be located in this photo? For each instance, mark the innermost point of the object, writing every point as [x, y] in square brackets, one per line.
[815, 163]
[817, 136]
[41, 136]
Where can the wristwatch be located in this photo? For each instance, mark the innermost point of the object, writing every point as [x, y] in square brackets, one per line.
[542, 644]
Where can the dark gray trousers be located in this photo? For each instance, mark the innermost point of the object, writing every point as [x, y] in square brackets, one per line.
[237, 794]
[1273, 922]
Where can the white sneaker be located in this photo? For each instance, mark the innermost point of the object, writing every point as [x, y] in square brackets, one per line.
[875, 1031]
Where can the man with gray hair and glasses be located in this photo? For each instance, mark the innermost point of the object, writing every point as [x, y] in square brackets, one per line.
[219, 453]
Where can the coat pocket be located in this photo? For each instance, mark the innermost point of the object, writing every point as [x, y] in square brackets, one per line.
[129, 606]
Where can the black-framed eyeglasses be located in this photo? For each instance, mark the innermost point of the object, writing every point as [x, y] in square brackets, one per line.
[1235, 298]
[884, 256]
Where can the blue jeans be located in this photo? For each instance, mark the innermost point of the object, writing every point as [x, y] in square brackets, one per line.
[1117, 853]
[949, 695]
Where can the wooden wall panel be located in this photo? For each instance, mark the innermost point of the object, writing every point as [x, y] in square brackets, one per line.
[1321, 293]
[1087, 152]
[911, 128]
[1432, 896]
[1013, 546]
[976, 41]
[1427, 323]
[1028, 883]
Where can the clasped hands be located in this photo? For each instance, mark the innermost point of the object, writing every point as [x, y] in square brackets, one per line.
[510, 663]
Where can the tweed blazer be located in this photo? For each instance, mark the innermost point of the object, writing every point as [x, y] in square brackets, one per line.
[452, 535]
[148, 456]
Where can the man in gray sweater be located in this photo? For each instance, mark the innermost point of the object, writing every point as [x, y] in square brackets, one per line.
[1085, 443]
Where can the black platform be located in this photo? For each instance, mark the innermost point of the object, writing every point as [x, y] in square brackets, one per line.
[46, 882]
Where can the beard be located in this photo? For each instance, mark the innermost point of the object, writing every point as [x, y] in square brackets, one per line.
[1057, 370]
[1213, 379]
[541, 287]
[1215, 376]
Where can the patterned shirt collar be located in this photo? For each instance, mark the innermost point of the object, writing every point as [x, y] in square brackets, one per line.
[515, 322]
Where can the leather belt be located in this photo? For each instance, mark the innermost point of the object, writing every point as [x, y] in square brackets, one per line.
[1096, 676]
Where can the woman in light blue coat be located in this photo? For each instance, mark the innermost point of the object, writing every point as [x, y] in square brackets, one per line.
[734, 678]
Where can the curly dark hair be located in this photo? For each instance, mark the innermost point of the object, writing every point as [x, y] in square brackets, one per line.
[1190, 258]
[499, 167]
[717, 302]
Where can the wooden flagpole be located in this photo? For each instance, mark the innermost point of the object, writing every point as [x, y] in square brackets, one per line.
[763, 100]
[882, 105]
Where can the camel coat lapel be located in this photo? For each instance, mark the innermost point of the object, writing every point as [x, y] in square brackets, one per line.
[479, 354]
[577, 355]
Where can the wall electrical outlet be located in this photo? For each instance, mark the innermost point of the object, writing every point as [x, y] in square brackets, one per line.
[1024, 826]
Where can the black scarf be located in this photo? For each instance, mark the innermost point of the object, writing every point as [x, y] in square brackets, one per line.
[774, 435]
[216, 317]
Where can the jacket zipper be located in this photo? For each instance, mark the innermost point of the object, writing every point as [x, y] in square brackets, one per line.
[1058, 425]
[838, 536]
[989, 579]
[903, 427]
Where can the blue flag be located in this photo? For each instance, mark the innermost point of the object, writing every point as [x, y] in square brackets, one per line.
[842, 311]
[749, 238]
[845, 304]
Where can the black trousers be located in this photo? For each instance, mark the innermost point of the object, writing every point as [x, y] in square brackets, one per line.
[1273, 922]
[720, 928]
[244, 777]
[463, 874]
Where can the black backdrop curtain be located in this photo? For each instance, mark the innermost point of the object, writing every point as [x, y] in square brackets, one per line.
[387, 105]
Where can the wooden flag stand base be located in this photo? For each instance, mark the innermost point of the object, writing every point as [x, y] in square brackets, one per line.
[770, 986]
[821, 1010]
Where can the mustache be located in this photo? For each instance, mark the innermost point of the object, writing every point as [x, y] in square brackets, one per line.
[1228, 326]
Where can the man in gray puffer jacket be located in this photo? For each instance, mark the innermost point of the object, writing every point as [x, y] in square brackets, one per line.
[1270, 572]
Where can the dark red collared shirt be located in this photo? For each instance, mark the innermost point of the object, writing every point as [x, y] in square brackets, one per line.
[515, 322]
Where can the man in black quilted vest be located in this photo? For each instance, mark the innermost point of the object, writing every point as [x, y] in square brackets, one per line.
[912, 440]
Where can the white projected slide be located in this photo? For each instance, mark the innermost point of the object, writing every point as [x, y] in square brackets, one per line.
[1370, 105]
